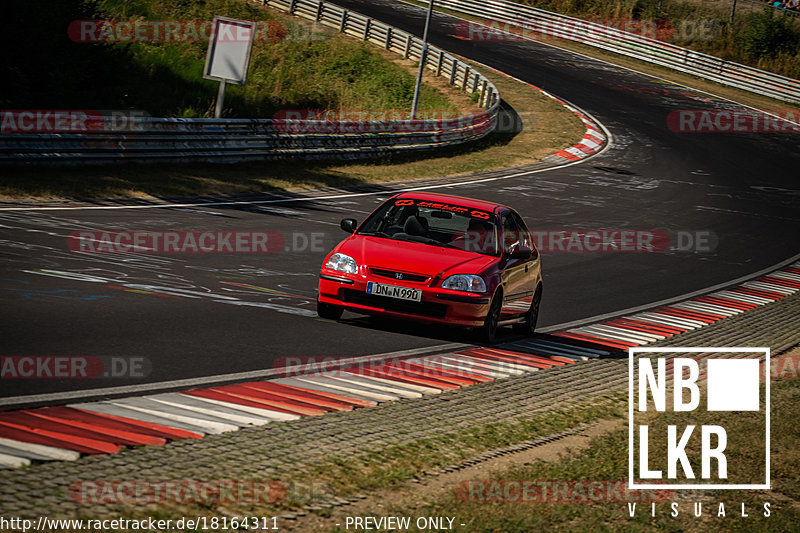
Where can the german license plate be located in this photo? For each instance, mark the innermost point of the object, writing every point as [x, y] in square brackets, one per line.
[393, 291]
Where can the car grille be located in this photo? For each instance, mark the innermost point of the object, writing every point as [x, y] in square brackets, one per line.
[393, 304]
[393, 274]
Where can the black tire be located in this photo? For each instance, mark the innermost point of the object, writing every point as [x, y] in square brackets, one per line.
[532, 316]
[488, 332]
[331, 312]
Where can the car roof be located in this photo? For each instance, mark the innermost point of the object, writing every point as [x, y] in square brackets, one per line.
[459, 200]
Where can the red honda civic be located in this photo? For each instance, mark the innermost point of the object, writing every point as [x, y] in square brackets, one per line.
[436, 258]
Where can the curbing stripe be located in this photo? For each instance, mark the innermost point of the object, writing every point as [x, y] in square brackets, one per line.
[22, 449]
[107, 408]
[296, 382]
[201, 407]
[12, 461]
[374, 385]
[248, 407]
[399, 384]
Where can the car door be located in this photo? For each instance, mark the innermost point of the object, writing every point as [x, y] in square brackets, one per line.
[517, 278]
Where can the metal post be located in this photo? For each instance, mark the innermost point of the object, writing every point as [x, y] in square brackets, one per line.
[220, 99]
[422, 60]
[733, 10]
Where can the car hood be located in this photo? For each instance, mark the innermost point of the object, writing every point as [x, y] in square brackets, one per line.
[412, 257]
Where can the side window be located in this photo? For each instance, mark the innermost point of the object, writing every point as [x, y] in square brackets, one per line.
[510, 233]
[525, 235]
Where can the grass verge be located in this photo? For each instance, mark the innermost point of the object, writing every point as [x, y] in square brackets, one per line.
[606, 459]
[546, 127]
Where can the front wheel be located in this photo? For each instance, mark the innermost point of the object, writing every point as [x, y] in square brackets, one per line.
[488, 332]
[331, 312]
[532, 316]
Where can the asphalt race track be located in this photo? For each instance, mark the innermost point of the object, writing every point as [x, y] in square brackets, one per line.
[194, 315]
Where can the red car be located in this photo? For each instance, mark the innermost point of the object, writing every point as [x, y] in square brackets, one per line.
[436, 258]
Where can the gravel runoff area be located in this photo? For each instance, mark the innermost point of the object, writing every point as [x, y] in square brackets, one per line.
[281, 450]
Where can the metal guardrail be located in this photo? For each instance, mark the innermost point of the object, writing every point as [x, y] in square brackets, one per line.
[538, 21]
[234, 140]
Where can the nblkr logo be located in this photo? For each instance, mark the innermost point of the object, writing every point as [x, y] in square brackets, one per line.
[702, 381]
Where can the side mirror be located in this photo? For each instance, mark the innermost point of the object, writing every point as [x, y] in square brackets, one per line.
[520, 252]
[348, 224]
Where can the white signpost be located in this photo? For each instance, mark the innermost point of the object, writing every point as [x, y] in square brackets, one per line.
[228, 54]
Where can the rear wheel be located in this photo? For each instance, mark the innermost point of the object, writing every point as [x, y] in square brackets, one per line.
[331, 312]
[488, 332]
[529, 325]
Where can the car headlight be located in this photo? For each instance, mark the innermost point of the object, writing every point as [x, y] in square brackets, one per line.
[342, 263]
[465, 282]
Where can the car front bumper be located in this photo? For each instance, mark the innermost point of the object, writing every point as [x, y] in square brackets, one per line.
[438, 305]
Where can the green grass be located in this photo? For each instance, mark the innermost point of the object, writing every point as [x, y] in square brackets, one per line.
[394, 464]
[606, 459]
[298, 67]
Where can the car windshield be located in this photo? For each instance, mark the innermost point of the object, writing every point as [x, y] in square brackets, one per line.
[435, 224]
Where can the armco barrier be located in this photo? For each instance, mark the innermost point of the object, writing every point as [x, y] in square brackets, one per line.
[233, 140]
[538, 21]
